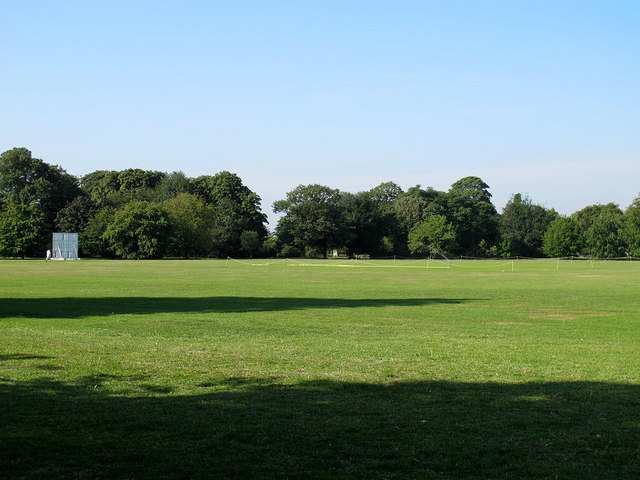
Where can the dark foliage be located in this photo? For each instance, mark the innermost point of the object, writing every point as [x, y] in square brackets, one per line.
[217, 215]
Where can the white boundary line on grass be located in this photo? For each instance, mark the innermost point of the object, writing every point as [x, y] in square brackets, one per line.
[265, 264]
[290, 262]
[426, 264]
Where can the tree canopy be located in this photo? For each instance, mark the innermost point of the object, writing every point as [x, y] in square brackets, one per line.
[523, 225]
[631, 229]
[433, 236]
[29, 184]
[137, 213]
[562, 238]
[139, 230]
[313, 219]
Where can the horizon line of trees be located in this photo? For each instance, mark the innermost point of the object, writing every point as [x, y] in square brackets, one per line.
[136, 213]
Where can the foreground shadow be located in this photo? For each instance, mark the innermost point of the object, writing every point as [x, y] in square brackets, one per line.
[72, 307]
[244, 428]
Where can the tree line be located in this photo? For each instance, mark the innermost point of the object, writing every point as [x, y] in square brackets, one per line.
[137, 213]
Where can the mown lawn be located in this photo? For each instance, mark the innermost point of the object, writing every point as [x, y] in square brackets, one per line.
[225, 369]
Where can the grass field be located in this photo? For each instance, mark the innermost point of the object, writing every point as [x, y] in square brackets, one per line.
[226, 369]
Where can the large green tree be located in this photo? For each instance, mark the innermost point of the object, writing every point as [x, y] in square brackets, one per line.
[563, 238]
[75, 216]
[191, 223]
[226, 192]
[139, 230]
[31, 182]
[92, 241]
[604, 239]
[28, 180]
[470, 211]
[523, 224]
[410, 211]
[103, 187]
[229, 221]
[313, 218]
[393, 240]
[603, 229]
[369, 223]
[107, 187]
[386, 193]
[588, 215]
[249, 242]
[433, 236]
[417, 204]
[21, 227]
[171, 185]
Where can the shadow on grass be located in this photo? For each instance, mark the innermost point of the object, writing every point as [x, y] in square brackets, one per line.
[22, 356]
[72, 307]
[241, 428]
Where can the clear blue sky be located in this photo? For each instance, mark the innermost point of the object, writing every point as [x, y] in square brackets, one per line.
[538, 97]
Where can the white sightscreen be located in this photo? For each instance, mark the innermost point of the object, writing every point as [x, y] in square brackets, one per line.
[65, 246]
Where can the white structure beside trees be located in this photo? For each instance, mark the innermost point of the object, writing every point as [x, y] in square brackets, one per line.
[65, 246]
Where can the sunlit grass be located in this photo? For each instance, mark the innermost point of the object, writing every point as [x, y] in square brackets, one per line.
[348, 369]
